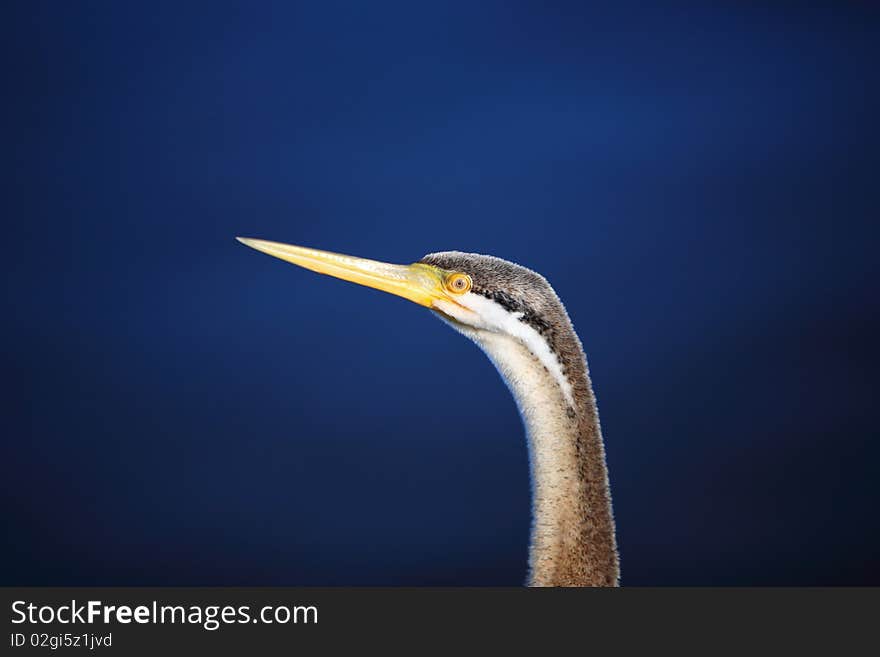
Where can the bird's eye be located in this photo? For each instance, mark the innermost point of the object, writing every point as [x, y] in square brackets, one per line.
[458, 283]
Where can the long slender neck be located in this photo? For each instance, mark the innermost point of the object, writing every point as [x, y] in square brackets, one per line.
[573, 538]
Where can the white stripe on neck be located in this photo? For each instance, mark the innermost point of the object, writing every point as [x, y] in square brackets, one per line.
[488, 315]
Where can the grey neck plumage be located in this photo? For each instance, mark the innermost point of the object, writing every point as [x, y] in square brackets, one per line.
[573, 536]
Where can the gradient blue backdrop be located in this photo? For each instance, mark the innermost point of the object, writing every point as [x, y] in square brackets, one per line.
[700, 186]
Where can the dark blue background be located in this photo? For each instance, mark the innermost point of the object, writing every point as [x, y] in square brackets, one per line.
[699, 185]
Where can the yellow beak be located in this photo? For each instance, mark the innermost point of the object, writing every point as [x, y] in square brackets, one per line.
[421, 283]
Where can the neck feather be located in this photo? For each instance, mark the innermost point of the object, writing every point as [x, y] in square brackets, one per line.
[572, 538]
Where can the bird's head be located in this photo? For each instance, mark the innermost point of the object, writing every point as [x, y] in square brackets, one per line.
[502, 306]
[474, 293]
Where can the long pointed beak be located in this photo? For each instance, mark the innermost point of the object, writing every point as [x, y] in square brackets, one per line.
[420, 283]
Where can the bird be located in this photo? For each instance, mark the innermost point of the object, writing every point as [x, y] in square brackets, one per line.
[513, 314]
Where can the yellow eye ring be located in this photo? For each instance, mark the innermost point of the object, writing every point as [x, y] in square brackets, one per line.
[458, 283]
